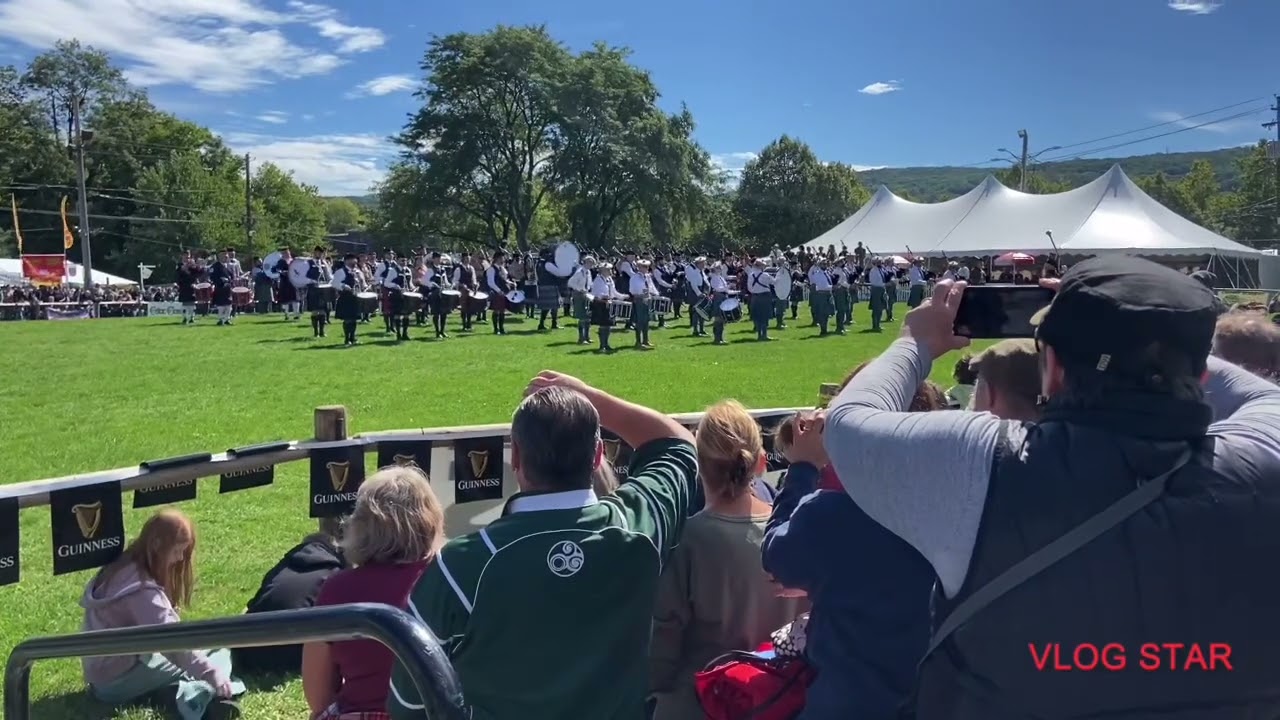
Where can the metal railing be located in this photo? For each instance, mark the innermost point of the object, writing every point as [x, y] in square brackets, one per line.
[409, 640]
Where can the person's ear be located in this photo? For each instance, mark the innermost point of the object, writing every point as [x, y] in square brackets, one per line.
[599, 458]
[762, 464]
[515, 456]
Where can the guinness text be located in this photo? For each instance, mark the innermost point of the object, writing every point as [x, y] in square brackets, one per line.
[81, 548]
[335, 498]
[7, 561]
[481, 483]
[242, 473]
[169, 485]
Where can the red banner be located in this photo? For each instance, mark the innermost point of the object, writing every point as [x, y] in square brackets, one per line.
[43, 270]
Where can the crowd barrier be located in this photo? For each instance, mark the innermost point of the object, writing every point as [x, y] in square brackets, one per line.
[469, 468]
[409, 640]
[72, 310]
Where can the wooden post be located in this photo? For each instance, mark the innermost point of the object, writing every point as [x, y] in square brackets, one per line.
[331, 424]
[827, 391]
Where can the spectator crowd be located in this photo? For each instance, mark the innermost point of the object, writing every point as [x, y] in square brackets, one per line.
[1114, 481]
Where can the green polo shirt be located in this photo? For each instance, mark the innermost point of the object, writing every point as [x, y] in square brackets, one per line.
[546, 612]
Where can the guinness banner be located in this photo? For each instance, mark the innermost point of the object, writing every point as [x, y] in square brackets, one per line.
[10, 550]
[336, 475]
[768, 430]
[245, 479]
[477, 469]
[88, 526]
[166, 494]
[405, 453]
[617, 453]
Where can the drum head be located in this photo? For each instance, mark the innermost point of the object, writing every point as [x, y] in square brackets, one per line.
[298, 273]
[450, 293]
[782, 285]
[479, 296]
[367, 296]
[516, 296]
[566, 257]
[240, 290]
[415, 296]
[730, 305]
[202, 286]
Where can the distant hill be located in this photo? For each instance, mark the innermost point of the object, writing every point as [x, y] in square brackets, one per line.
[932, 184]
[364, 201]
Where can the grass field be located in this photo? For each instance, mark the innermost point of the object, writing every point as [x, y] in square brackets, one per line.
[94, 395]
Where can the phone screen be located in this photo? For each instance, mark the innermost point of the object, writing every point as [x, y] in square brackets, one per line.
[1000, 311]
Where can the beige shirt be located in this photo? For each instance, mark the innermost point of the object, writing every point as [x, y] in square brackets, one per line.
[713, 597]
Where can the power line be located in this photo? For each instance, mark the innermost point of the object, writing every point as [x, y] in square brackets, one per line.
[1076, 156]
[1160, 125]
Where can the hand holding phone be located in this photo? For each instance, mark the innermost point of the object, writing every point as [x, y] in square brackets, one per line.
[996, 312]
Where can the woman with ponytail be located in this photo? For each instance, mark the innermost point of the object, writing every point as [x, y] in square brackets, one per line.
[713, 596]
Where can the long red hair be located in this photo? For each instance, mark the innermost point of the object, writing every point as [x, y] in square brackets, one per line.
[151, 551]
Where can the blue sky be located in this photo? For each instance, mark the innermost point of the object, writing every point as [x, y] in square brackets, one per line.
[318, 86]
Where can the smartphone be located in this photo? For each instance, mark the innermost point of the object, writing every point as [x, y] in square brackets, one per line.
[1000, 311]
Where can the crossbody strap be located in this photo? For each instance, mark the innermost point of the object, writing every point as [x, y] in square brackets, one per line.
[1049, 555]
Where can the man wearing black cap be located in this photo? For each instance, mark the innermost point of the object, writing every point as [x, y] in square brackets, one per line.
[1133, 528]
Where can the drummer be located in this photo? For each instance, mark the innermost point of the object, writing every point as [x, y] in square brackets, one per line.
[393, 281]
[580, 285]
[221, 276]
[696, 282]
[642, 290]
[546, 286]
[498, 285]
[760, 286]
[464, 279]
[719, 293]
[319, 276]
[346, 279]
[602, 294]
[287, 293]
[187, 273]
[435, 283]
[820, 303]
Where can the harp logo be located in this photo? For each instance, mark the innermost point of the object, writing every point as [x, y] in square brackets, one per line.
[611, 448]
[338, 473]
[405, 461]
[88, 518]
[479, 462]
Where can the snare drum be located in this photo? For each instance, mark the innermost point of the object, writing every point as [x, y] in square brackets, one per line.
[731, 309]
[703, 308]
[660, 306]
[450, 300]
[204, 292]
[619, 310]
[241, 296]
[515, 302]
[368, 302]
[412, 302]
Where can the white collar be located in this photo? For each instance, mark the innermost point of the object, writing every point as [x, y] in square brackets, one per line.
[566, 500]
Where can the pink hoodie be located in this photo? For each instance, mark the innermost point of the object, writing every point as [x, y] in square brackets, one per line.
[127, 600]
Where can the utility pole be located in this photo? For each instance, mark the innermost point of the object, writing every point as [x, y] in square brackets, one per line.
[1022, 182]
[248, 208]
[86, 251]
[1274, 151]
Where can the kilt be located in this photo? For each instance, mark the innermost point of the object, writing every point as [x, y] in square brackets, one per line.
[916, 296]
[436, 304]
[317, 301]
[288, 293]
[497, 302]
[395, 302]
[334, 713]
[716, 313]
[548, 297]
[580, 309]
[187, 294]
[221, 295]
[347, 307]
[600, 313]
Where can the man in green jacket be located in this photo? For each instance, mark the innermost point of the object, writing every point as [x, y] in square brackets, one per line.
[546, 612]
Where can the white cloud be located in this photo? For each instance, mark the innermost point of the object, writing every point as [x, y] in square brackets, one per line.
[1195, 7]
[384, 85]
[864, 168]
[880, 88]
[275, 117]
[337, 164]
[1222, 128]
[308, 117]
[216, 46]
[732, 164]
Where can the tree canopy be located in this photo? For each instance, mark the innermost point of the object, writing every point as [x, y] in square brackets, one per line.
[156, 183]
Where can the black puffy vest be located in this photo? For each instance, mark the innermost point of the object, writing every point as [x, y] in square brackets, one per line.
[1200, 565]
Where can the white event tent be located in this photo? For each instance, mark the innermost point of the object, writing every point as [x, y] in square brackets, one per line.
[11, 274]
[1109, 215]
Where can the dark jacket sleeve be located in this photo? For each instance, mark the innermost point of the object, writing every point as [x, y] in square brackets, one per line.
[792, 551]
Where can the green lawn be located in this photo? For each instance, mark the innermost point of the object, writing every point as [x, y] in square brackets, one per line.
[94, 395]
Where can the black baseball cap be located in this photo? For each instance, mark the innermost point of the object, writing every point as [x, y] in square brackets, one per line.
[1108, 310]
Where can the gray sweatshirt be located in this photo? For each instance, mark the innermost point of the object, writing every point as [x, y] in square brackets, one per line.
[128, 599]
[943, 459]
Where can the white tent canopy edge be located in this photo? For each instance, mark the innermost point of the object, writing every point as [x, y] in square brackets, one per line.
[1110, 215]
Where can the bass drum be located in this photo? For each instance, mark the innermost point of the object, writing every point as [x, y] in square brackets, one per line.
[298, 270]
[269, 265]
[782, 284]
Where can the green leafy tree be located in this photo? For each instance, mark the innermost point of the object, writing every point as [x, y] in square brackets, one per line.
[788, 197]
[286, 213]
[342, 215]
[1252, 211]
[486, 134]
[183, 203]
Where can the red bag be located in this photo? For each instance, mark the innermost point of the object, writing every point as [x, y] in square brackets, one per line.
[744, 686]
